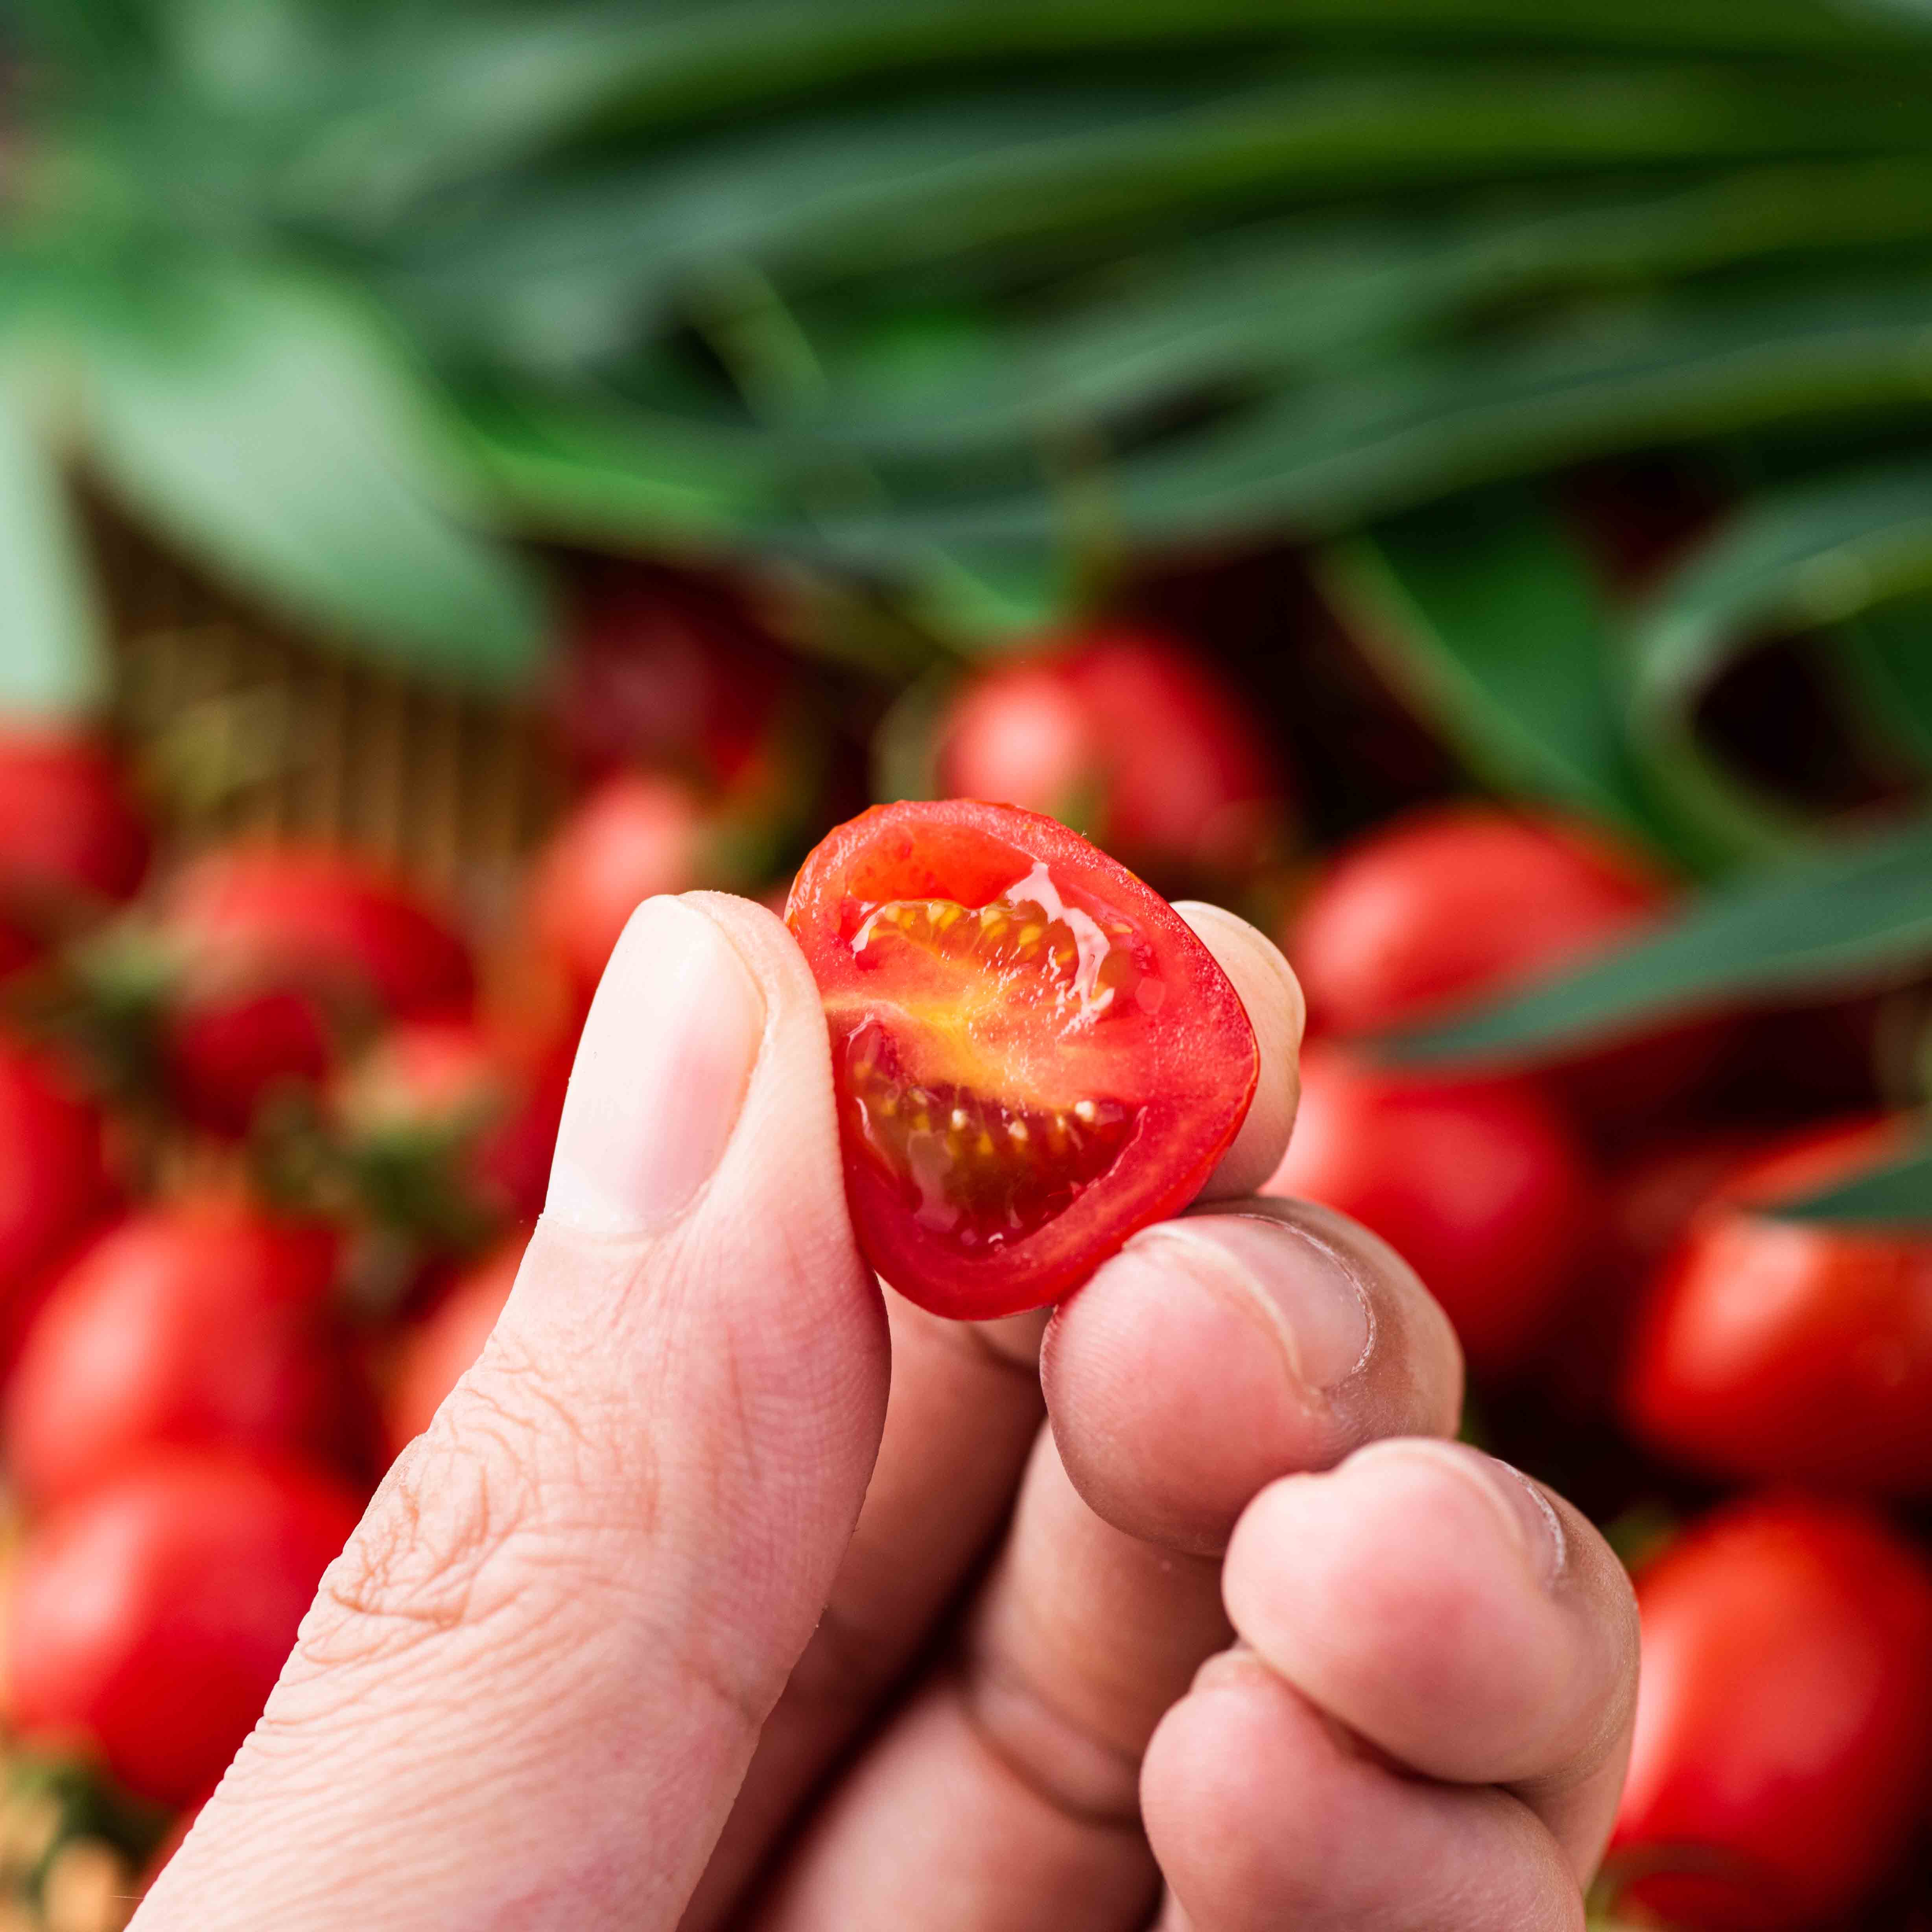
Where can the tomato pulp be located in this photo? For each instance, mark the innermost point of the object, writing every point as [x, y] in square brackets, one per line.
[1034, 1056]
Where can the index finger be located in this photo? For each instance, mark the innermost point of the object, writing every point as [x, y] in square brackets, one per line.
[1277, 1011]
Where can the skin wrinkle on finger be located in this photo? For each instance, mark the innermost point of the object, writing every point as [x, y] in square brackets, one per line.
[602, 1578]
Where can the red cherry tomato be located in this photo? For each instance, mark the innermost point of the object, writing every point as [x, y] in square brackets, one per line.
[1773, 1347]
[1130, 738]
[638, 834]
[1033, 1054]
[150, 1618]
[435, 1352]
[278, 949]
[1481, 1186]
[1449, 904]
[201, 1321]
[450, 1131]
[1784, 1748]
[1648, 1200]
[54, 1184]
[72, 839]
[664, 668]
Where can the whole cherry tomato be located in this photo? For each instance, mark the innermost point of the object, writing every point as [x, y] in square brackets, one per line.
[198, 1321]
[664, 668]
[1034, 1056]
[54, 1184]
[1648, 1200]
[272, 955]
[1481, 1185]
[148, 1618]
[1127, 737]
[434, 1352]
[1449, 904]
[72, 839]
[637, 834]
[1783, 1748]
[450, 1133]
[1777, 1348]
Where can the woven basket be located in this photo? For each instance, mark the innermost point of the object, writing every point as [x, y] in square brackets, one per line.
[248, 729]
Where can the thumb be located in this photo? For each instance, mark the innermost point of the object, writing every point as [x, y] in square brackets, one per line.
[529, 1688]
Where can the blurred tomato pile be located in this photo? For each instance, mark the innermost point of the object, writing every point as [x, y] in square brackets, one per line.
[274, 1124]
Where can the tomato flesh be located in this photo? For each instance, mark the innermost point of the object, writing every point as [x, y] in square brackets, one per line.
[1033, 1054]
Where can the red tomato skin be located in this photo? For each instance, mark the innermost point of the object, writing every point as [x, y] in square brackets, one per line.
[278, 949]
[149, 1617]
[1648, 1200]
[54, 1186]
[1783, 1747]
[664, 668]
[1481, 1185]
[636, 834]
[1130, 738]
[488, 1116]
[72, 839]
[1772, 1348]
[1448, 904]
[1447, 901]
[1194, 1073]
[434, 1353]
[200, 1322]
[315, 915]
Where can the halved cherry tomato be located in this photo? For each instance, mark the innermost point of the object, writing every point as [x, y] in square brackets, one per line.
[1034, 1056]
[1482, 1187]
[1783, 1747]
[149, 1619]
[1772, 1348]
[1130, 737]
[198, 1321]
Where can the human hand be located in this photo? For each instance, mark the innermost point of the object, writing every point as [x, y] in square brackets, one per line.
[603, 1650]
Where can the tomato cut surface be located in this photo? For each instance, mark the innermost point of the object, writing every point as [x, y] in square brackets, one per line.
[1034, 1056]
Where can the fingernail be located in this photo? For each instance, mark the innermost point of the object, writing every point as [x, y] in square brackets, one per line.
[1525, 1513]
[660, 1075]
[1301, 1291]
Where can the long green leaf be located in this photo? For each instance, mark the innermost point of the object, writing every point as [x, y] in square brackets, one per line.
[1319, 464]
[53, 655]
[1898, 1194]
[1814, 555]
[446, 96]
[1858, 915]
[1286, 298]
[1890, 652]
[614, 473]
[1484, 615]
[269, 424]
[573, 268]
